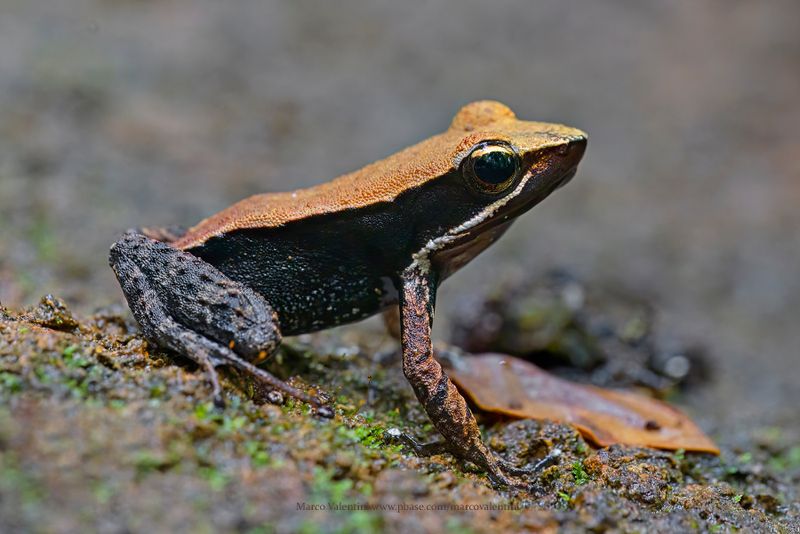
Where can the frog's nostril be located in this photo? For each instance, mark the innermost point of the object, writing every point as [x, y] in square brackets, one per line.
[573, 152]
[577, 144]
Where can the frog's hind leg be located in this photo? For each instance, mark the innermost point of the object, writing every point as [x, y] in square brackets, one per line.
[185, 304]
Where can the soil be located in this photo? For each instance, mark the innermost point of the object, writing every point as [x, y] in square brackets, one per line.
[98, 431]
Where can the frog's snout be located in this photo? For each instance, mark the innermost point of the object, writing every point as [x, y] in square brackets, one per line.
[574, 149]
[571, 154]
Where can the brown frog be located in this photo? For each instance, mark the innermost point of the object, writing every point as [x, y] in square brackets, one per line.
[226, 290]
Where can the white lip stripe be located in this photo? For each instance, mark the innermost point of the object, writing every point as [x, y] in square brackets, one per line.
[421, 259]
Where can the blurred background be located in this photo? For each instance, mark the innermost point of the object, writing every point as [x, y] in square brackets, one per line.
[118, 113]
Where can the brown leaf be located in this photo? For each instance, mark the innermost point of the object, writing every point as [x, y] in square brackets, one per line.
[509, 386]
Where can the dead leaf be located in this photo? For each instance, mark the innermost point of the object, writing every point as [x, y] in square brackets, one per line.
[513, 387]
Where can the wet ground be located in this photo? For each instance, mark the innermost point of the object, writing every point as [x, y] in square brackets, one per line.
[117, 113]
[99, 432]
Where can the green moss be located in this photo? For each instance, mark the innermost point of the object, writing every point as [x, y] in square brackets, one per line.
[147, 460]
[78, 387]
[362, 521]
[258, 454]
[216, 479]
[579, 473]
[116, 393]
[102, 492]
[157, 391]
[232, 424]
[44, 240]
[325, 488]
[10, 382]
[277, 429]
[370, 436]
[15, 479]
[205, 411]
[788, 460]
[456, 524]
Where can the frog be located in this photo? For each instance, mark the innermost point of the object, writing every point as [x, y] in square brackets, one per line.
[381, 239]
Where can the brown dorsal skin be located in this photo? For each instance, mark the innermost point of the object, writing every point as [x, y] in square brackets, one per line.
[384, 180]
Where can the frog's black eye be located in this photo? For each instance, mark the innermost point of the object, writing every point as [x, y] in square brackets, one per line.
[491, 168]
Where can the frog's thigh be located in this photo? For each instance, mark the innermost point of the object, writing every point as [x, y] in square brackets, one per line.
[165, 286]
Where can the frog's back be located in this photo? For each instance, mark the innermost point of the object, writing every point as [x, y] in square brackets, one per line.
[379, 182]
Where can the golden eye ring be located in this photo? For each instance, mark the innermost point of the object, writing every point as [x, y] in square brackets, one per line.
[492, 167]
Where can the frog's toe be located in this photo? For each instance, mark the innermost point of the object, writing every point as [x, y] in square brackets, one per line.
[326, 412]
[499, 480]
[419, 448]
[216, 388]
[551, 459]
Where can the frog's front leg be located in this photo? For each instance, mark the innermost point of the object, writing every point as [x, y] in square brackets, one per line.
[446, 408]
[185, 304]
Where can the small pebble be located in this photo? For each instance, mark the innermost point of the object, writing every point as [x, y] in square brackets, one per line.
[275, 397]
[325, 411]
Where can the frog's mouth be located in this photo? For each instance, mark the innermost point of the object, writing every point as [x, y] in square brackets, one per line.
[527, 200]
[567, 178]
[533, 192]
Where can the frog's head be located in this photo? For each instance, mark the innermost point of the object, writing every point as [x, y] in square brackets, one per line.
[500, 168]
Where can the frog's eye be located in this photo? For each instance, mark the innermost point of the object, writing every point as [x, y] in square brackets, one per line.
[491, 167]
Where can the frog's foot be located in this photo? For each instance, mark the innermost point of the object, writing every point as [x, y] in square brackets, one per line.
[551, 459]
[492, 467]
[213, 378]
[210, 355]
[184, 304]
[496, 467]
